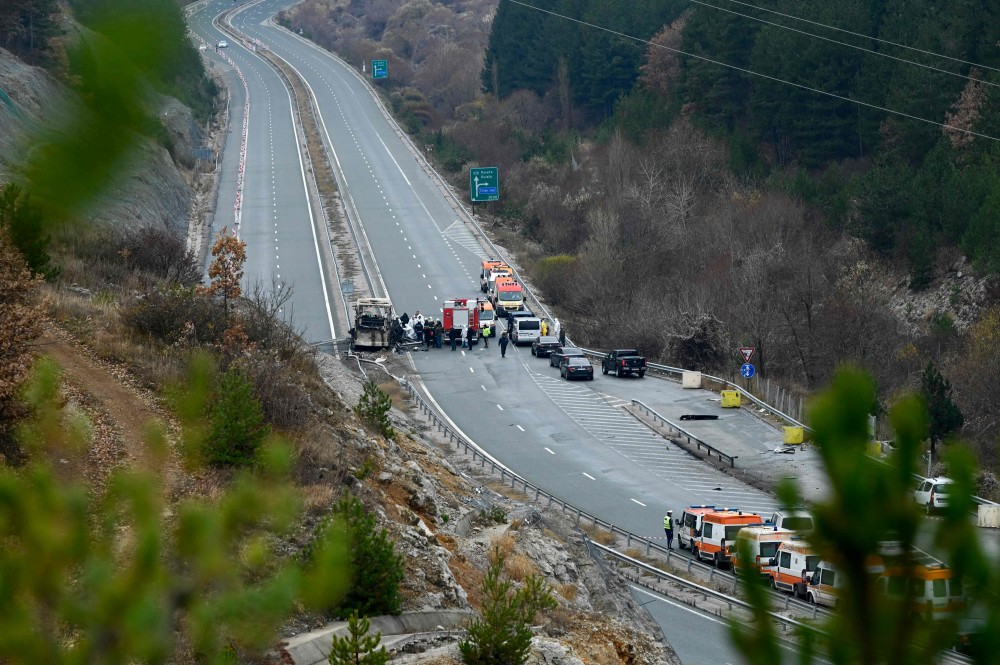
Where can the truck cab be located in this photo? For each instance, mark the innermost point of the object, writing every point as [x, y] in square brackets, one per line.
[488, 266]
[624, 362]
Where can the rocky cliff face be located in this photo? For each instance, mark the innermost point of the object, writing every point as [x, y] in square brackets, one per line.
[156, 189]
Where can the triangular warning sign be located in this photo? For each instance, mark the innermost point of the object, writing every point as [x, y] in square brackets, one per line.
[747, 353]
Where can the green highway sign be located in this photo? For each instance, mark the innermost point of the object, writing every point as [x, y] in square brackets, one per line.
[484, 184]
[380, 69]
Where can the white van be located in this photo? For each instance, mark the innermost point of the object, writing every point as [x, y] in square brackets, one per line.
[826, 584]
[798, 521]
[526, 329]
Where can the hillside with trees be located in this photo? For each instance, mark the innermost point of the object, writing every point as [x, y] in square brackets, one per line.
[666, 201]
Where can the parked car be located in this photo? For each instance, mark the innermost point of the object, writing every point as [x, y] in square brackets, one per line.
[576, 368]
[223, 44]
[622, 362]
[544, 346]
[932, 493]
[561, 352]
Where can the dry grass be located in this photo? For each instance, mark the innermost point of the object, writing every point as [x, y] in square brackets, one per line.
[399, 397]
[568, 591]
[519, 567]
[502, 546]
[600, 536]
[317, 499]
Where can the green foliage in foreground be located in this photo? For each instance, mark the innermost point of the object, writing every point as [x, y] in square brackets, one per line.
[503, 633]
[92, 575]
[872, 502]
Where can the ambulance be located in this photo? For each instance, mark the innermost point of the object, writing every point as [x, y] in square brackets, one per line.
[792, 566]
[489, 265]
[719, 529]
[495, 273]
[936, 593]
[826, 584]
[689, 524]
[763, 542]
[487, 315]
[508, 295]
[462, 313]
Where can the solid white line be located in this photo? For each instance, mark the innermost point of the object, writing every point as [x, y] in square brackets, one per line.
[550, 452]
[589, 476]
[519, 427]
[639, 502]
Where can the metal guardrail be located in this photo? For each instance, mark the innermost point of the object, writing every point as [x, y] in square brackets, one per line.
[705, 591]
[691, 438]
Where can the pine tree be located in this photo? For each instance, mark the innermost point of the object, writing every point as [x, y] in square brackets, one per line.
[503, 634]
[373, 408]
[944, 416]
[238, 426]
[358, 647]
[376, 568]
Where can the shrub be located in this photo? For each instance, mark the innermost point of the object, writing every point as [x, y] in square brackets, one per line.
[503, 634]
[237, 423]
[358, 647]
[177, 315]
[376, 569]
[373, 408]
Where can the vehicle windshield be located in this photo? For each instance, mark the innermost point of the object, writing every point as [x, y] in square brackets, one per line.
[486, 315]
[798, 523]
[733, 530]
[510, 296]
[941, 489]
[769, 549]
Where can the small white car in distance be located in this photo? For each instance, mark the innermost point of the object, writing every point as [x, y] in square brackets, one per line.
[223, 44]
[932, 493]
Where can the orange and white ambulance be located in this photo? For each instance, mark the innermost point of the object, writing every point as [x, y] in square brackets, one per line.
[936, 593]
[763, 542]
[826, 584]
[689, 524]
[719, 529]
[792, 566]
[489, 265]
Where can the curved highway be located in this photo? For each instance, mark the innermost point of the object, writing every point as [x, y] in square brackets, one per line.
[574, 439]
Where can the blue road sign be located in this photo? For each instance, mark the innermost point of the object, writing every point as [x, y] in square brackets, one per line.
[747, 370]
[380, 69]
[484, 184]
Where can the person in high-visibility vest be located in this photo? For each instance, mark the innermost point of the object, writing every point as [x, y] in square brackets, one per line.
[668, 528]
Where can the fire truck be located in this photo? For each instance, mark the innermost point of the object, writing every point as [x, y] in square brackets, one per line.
[462, 313]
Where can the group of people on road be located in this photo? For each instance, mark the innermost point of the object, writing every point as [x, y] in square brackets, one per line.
[432, 333]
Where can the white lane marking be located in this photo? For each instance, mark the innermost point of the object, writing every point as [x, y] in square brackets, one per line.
[499, 407]
[550, 452]
[639, 502]
[589, 476]
[519, 427]
[470, 369]
[483, 387]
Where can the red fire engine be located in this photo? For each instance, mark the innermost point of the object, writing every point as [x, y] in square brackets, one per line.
[462, 313]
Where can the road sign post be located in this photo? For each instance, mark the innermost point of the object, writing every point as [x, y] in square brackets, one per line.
[380, 69]
[484, 184]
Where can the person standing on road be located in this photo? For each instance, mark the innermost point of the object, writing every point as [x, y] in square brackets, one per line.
[453, 335]
[429, 335]
[503, 345]
[562, 337]
[510, 322]
[418, 329]
[468, 336]
[438, 334]
[668, 528]
[486, 337]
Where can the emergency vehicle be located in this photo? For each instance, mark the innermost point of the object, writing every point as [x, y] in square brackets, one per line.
[689, 524]
[461, 313]
[826, 584]
[763, 542]
[484, 274]
[792, 566]
[487, 315]
[508, 295]
[936, 594]
[718, 534]
[495, 273]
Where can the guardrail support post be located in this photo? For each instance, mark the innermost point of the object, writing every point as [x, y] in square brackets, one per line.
[628, 539]
[578, 518]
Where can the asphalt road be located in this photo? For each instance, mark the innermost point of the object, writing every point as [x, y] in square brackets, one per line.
[275, 220]
[574, 439]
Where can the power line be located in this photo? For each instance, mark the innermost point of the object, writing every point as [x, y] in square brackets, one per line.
[860, 48]
[857, 34]
[757, 74]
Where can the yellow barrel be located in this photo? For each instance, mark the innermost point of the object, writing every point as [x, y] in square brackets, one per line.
[730, 399]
